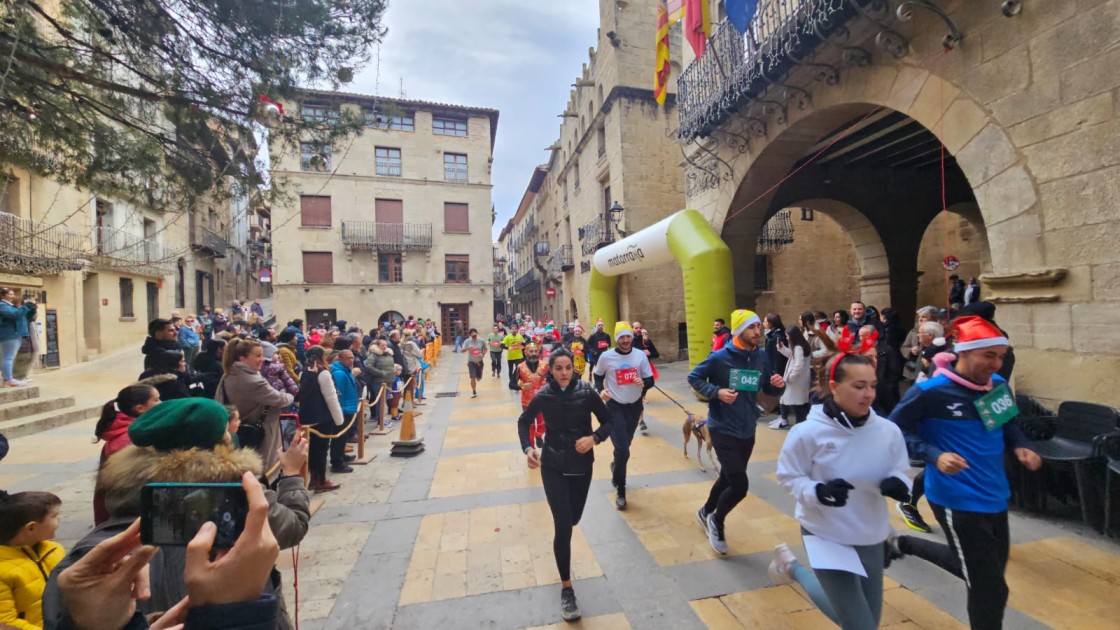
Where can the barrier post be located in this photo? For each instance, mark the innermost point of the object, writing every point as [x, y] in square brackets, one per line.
[305, 470]
[382, 409]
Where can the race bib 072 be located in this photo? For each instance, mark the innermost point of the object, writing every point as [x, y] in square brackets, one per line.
[627, 376]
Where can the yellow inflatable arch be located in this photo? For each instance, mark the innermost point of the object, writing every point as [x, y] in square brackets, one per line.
[705, 260]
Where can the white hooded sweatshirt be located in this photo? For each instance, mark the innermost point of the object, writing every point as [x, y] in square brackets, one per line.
[821, 450]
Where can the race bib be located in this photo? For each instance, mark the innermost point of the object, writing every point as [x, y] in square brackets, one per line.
[745, 380]
[516, 347]
[495, 344]
[996, 408]
[475, 352]
[604, 344]
[627, 376]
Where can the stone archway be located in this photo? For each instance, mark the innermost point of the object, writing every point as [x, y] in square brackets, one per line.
[960, 232]
[874, 267]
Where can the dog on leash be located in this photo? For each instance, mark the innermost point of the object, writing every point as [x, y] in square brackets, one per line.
[698, 427]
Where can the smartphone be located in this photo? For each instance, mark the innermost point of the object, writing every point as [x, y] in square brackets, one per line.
[289, 427]
[172, 513]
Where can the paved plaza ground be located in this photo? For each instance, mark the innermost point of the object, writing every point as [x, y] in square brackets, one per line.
[460, 536]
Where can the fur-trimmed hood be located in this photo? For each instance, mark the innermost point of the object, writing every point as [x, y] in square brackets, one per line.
[123, 474]
[156, 379]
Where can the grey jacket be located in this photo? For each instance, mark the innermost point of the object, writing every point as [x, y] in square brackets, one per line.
[257, 402]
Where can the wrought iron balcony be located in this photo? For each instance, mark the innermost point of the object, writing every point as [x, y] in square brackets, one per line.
[386, 237]
[37, 248]
[207, 240]
[114, 248]
[526, 281]
[594, 235]
[736, 70]
[561, 261]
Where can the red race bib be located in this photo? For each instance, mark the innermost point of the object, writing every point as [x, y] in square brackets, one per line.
[627, 376]
[603, 345]
[495, 344]
[475, 352]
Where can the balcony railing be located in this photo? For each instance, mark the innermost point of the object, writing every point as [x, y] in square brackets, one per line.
[38, 248]
[737, 68]
[594, 235]
[207, 240]
[386, 237]
[561, 261]
[118, 249]
[526, 281]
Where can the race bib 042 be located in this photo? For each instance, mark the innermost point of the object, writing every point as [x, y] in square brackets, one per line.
[996, 408]
[745, 380]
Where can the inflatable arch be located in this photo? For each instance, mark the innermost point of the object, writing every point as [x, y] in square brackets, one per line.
[705, 262]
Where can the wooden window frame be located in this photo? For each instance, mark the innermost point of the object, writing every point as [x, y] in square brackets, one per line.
[383, 162]
[387, 264]
[461, 272]
[450, 126]
[304, 264]
[455, 170]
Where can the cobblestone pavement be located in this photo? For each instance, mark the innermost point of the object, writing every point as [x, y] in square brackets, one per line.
[460, 536]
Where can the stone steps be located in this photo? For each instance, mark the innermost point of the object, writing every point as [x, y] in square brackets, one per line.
[39, 422]
[33, 406]
[12, 394]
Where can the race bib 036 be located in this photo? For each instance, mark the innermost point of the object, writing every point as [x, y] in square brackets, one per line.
[996, 408]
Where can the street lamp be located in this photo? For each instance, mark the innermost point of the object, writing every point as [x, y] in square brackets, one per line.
[614, 216]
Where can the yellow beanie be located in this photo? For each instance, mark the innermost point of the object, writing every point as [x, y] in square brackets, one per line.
[743, 319]
[622, 328]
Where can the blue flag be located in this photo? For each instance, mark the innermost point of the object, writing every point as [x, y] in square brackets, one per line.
[740, 12]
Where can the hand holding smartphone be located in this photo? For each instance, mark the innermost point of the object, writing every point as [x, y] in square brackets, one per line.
[172, 513]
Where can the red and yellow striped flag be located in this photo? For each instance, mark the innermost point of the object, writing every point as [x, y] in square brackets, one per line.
[661, 69]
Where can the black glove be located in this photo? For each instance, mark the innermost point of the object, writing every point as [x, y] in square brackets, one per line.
[834, 493]
[896, 489]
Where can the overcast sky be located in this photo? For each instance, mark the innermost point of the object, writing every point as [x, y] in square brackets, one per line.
[517, 56]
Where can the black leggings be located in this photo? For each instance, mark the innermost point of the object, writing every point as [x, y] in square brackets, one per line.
[732, 485]
[919, 488]
[566, 494]
[513, 363]
[977, 553]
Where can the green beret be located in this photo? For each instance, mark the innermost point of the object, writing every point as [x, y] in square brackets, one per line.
[180, 424]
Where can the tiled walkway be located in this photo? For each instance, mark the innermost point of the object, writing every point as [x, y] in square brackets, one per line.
[460, 537]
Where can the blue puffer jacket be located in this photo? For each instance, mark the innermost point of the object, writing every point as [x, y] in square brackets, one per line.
[714, 373]
[188, 337]
[13, 320]
[346, 387]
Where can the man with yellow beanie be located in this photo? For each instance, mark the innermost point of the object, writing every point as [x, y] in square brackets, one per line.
[622, 376]
[730, 379]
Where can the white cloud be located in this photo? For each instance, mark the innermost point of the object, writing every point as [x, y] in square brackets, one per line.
[518, 56]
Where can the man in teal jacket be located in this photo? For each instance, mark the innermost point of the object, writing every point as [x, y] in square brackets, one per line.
[342, 370]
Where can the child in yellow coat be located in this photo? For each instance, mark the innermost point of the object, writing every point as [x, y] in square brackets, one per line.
[28, 522]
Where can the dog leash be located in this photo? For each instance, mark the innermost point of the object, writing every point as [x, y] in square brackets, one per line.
[672, 400]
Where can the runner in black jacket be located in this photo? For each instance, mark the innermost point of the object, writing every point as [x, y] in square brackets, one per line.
[566, 404]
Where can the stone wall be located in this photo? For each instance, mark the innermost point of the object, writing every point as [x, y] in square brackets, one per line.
[949, 234]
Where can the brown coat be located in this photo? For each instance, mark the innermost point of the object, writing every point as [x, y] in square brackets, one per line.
[257, 402]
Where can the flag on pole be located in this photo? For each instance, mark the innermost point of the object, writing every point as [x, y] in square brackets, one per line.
[697, 25]
[661, 67]
[676, 10]
[741, 12]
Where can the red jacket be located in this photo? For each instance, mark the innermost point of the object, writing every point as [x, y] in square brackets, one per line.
[116, 438]
[720, 339]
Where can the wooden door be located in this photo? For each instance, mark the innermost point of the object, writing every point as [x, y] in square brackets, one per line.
[449, 314]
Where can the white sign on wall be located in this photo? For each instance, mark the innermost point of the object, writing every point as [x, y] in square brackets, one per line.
[644, 250]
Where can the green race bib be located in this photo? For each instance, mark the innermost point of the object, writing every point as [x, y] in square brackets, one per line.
[745, 380]
[996, 408]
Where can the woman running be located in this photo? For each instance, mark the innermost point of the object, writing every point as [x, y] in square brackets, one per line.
[566, 459]
[839, 489]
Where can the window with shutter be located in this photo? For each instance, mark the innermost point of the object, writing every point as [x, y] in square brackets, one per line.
[315, 210]
[389, 210]
[456, 218]
[457, 268]
[389, 268]
[318, 267]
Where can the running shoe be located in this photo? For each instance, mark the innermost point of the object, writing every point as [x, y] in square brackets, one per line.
[778, 423]
[715, 536]
[620, 500]
[642, 425]
[702, 516]
[913, 518]
[781, 567]
[474, 394]
[891, 550]
[569, 609]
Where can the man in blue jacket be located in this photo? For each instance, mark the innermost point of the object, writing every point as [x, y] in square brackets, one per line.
[960, 422]
[730, 379]
[342, 370]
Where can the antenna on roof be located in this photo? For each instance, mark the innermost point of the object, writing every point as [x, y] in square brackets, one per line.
[402, 86]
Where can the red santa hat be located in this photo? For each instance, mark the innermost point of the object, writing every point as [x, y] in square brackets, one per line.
[972, 333]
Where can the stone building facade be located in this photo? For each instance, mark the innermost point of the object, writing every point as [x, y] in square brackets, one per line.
[1024, 105]
[395, 223]
[100, 267]
[615, 145]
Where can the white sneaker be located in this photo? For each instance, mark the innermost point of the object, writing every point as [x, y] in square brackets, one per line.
[715, 537]
[778, 424]
[781, 567]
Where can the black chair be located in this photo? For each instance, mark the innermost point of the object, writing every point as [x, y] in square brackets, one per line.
[1110, 448]
[1039, 424]
[1076, 443]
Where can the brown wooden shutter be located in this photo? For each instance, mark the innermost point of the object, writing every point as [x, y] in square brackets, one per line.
[315, 210]
[456, 217]
[389, 210]
[318, 267]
